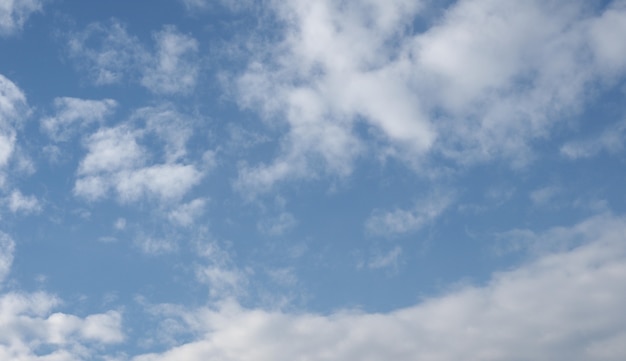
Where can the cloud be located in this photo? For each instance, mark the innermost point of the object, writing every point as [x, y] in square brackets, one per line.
[31, 331]
[277, 226]
[564, 305]
[611, 141]
[390, 259]
[73, 114]
[193, 6]
[542, 196]
[13, 108]
[219, 272]
[186, 214]
[176, 68]
[481, 83]
[117, 56]
[399, 221]
[7, 248]
[116, 161]
[156, 246]
[15, 13]
[23, 204]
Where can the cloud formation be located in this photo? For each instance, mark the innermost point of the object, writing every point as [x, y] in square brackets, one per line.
[15, 13]
[117, 161]
[565, 305]
[482, 83]
[110, 55]
[74, 114]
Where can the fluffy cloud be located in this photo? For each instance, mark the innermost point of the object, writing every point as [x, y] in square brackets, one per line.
[14, 13]
[31, 331]
[73, 113]
[117, 161]
[483, 82]
[564, 305]
[118, 56]
[24, 204]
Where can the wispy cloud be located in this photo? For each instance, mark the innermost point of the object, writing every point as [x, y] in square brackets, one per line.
[15, 13]
[176, 67]
[399, 221]
[611, 140]
[171, 68]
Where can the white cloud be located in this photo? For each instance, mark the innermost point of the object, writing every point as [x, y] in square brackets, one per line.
[31, 331]
[219, 272]
[563, 306]
[482, 83]
[186, 214]
[116, 161]
[611, 141]
[7, 248]
[14, 13]
[24, 204]
[165, 181]
[73, 114]
[13, 108]
[399, 221]
[156, 246]
[176, 67]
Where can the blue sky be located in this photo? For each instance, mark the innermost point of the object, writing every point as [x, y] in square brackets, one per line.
[312, 180]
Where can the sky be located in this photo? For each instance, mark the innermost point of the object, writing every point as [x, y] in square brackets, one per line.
[312, 180]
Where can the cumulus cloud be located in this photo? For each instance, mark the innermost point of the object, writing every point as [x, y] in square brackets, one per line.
[483, 82]
[399, 221]
[565, 305]
[73, 114]
[118, 161]
[23, 204]
[117, 56]
[32, 331]
[15, 13]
